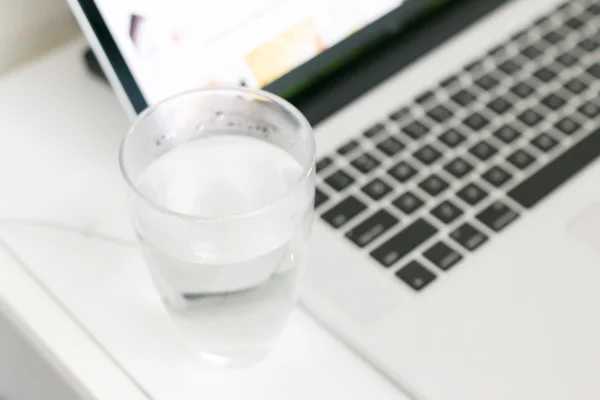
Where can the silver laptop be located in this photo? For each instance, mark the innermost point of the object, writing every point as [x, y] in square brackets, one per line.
[457, 246]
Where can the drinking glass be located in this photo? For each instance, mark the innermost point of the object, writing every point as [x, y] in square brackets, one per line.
[221, 187]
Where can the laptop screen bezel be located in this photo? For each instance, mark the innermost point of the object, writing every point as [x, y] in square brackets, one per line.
[286, 85]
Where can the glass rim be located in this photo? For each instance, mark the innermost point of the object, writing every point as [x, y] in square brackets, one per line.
[306, 169]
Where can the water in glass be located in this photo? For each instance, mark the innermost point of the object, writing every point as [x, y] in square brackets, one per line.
[228, 283]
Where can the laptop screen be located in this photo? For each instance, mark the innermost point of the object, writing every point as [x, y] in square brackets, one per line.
[170, 46]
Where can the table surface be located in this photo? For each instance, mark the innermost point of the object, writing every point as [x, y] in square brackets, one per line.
[83, 296]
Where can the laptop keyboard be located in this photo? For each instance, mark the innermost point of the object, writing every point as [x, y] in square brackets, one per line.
[434, 181]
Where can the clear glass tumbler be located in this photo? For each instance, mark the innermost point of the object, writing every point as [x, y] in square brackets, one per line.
[221, 190]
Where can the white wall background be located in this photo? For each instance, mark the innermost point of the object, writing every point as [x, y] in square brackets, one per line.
[31, 27]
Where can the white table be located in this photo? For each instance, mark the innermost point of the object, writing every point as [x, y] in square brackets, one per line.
[86, 305]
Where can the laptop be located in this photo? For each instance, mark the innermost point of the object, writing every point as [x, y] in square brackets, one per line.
[457, 240]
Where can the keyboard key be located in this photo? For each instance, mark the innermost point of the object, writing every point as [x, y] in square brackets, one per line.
[348, 147]
[463, 97]
[458, 167]
[442, 256]
[497, 176]
[408, 203]
[415, 130]
[483, 150]
[404, 242]
[544, 74]
[365, 163]
[323, 163]
[588, 45]
[574, 23]
[469, 237]
[476, 121]
[589, 109]
[530, 117]
[553, 37]
[509, 67]
[594, 9]
[499, 105]
[497, 216]
[594, 70]
[521, 35]
[439, 113]
[544, 142]
[521, 159]
[553, 102]
[529, 192]
[563, 7]
[425, 97]
[339, 180]
[472, 194]
[507, 134]
[320, 198]
[373, 227]
[522, 90]
[377, 189]
[452, 138]
[427, 154]
[402, 171]
[434, 185]
[447, 212]
[390, 146]
[415, 275]
[487, 82]
[399, 114]
[567, 126]
[475, 67]
[498, 51]
[340, 214]
[531, 52]
[576, 86]
[373, 131]
[450, 81]
[541, 21]
[567, 59]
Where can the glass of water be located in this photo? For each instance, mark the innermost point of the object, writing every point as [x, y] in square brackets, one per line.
[221, 189]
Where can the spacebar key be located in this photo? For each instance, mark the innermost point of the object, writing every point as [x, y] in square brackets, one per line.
[529, 192]
[403, 243]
